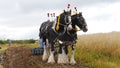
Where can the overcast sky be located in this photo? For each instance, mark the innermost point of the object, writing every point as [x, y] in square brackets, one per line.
[21, 19]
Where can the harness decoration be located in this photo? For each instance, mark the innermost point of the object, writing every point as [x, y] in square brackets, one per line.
[58, 23]
[76, 29]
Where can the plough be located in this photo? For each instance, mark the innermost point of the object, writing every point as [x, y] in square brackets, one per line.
[37, 51]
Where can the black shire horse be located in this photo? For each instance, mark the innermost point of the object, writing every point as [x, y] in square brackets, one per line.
[70, 37]
[51, 30]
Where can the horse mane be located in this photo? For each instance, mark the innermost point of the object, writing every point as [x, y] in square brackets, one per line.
[57, 27]
[73, 17]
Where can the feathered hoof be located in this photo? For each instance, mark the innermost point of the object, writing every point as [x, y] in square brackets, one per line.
[62, 59]
[45, 58]
[51, 59]
[72, 62]
[60, 62]
[51, 62]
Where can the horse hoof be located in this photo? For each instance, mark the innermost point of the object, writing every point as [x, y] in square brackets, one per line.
[45, 57]
[51, 61]
[72, 62]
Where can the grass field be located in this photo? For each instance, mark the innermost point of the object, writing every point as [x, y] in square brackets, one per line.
[99, 50]
[95, 50]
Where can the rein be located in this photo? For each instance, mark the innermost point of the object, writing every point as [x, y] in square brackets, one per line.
[59, 34]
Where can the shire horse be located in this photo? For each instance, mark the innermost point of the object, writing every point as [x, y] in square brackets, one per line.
[70, 38]
[70, 35]
[50, 31]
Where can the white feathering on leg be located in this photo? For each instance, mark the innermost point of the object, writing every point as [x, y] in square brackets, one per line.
[45, 54]
[72, 60]
[62, 58]
[51, 57]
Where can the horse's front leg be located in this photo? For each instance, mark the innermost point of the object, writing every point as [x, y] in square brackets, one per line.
[62, 56]
[51, 57]
[72, 59]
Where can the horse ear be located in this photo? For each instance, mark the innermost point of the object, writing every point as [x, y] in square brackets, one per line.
[80, 13]
[70, 11]
[64, 11]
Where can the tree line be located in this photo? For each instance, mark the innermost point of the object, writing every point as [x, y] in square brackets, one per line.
[30, 41]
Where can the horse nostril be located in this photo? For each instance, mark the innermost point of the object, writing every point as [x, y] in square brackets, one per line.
[85, 30]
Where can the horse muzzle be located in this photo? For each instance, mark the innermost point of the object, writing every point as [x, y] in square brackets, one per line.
[85, 30]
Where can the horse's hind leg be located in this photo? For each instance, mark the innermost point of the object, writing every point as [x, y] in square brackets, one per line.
[46, 50]
[51, 57]
[72, 60]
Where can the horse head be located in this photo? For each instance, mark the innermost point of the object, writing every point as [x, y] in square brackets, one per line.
[79, 20]
[63, 20]
[65, 17]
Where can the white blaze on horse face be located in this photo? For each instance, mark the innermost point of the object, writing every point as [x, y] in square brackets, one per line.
[51, 57]
[62, 58]
[69, 17]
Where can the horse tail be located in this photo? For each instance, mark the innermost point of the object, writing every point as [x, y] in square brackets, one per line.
[40, 32]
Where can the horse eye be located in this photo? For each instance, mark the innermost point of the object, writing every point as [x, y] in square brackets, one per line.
[84, 26]
[82, 19]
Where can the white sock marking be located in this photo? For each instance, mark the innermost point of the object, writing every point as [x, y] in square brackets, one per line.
[51, 57]
[45, 54]
[72, 60]
[62, 58]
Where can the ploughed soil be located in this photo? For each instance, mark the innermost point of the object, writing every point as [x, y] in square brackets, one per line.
[21, 57]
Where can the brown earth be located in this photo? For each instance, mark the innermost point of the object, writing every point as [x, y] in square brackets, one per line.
[21, 57]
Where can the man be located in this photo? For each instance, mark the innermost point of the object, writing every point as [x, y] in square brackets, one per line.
[41, 43]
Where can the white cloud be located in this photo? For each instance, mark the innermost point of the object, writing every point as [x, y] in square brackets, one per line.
[19, 33]
[21, 19]
[102, 17]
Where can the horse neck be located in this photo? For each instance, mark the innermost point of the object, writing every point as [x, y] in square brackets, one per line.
[62, 21]
[74, 22]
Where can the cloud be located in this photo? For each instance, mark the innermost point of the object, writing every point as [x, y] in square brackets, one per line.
[102, 17]
[19, 33]
[20, 19]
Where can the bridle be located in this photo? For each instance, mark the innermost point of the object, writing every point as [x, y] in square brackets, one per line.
[68, 20]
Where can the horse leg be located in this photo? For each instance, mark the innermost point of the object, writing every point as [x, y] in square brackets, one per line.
[46, 51]
[72, 60]
[51, 57]
[66, 53]
[62, 56]
[48, 48]
[44, 58]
